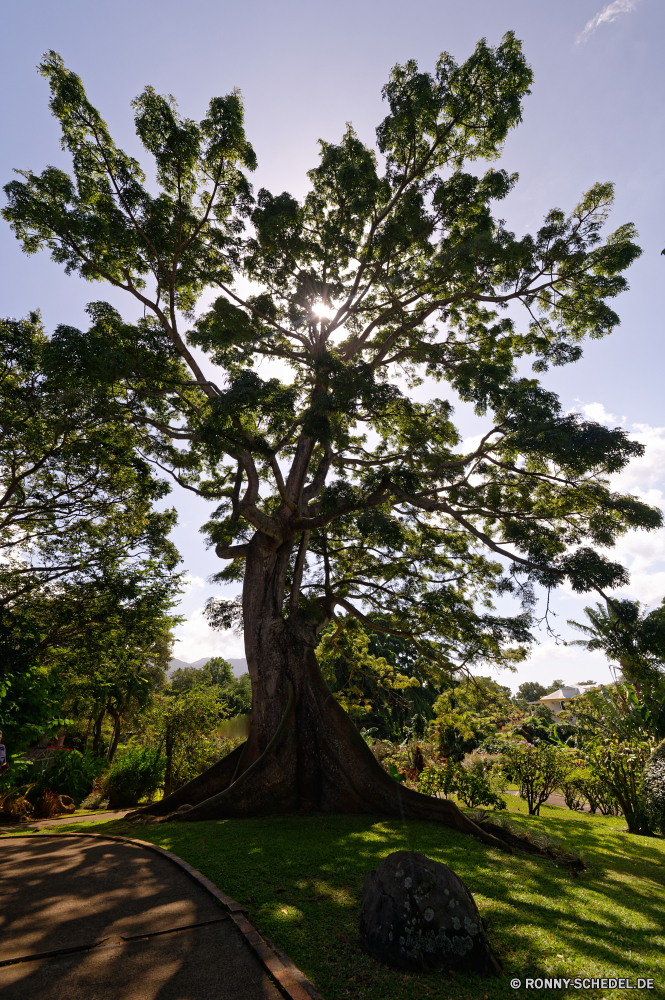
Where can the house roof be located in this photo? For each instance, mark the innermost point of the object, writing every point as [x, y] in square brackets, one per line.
[567, 692]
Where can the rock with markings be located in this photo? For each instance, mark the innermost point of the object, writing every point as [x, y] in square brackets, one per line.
[418, 915]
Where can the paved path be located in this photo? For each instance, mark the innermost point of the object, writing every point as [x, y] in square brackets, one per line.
[553, 800]
[90, 919]
[62, 820]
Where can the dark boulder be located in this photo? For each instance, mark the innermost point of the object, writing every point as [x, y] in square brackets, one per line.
[418, 915]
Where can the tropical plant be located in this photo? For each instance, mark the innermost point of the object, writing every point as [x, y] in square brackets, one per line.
[653, 789]
[340, 490]
[136, 773]
[619, 764]
[538, 769]
[68, 772]
[633, 638]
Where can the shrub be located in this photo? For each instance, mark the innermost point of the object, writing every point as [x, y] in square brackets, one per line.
[68, 772]
[585, 787]
[653, 789]
[600, 797]
[475, 787]
[136, 773]
[538, 769]
[473, 784]
[619, 764]
[197, 754]
[574, 792]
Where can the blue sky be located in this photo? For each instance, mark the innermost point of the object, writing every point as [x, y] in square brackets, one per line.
[305, 69]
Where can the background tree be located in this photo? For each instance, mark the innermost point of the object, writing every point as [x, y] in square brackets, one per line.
[75, 495]
[339, 488]
[217, 674]
[633, 638]
[530, 691]
[81, 649]
[183, 725]
[86, 563]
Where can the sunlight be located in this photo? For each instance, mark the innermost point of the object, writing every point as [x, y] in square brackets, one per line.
[323, 310]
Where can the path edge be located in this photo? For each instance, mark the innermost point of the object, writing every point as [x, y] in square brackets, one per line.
[287, 976]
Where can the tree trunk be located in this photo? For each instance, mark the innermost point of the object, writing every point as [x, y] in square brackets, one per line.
[116, 732]
[303, 752]
[168, 774]
[97, 731]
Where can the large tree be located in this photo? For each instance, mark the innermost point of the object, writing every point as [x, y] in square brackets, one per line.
[343, 486]
[76, 498]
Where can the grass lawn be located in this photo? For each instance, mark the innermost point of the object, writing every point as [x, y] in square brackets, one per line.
[301, 881]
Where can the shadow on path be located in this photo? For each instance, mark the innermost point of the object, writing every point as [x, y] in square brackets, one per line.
[99, 920]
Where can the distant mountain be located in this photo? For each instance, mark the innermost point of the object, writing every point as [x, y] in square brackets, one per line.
[176, 664]
[239, 664]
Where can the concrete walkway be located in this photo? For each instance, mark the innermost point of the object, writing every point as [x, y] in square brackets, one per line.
[553, 800]
[64, 819]
[91, 919]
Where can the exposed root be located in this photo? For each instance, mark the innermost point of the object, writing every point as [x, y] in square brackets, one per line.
[316, 761]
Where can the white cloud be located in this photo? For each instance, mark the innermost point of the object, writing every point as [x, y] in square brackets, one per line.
[192, 584]
[606, 16]
[549, 660]
[641, 552]
[597, 412]
[195, 639]
[646, 476]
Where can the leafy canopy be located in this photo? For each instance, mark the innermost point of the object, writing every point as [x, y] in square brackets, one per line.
[392, 270]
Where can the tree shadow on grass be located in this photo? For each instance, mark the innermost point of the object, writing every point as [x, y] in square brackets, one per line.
[301, 879]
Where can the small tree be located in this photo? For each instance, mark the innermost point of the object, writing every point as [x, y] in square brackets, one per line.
[183, 726]
[530, 691]
[653, 789]
[619, 764]
[538, 770]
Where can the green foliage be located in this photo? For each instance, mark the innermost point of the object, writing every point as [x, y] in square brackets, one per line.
[396, 774]
[218, 674]
[474, 782]
[538, 770]
[530, 691]
[75, 497]
[135, 774]
[469, 713]
[619, 764]
[68, 772]
[373, 689]
[392, 269]
[634, 638]
[196, 753]
[183, 727]
[653, 789]
[87, 574]
[617, 712]
[583, 786]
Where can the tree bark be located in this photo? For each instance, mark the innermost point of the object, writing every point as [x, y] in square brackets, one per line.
[97, 731]
[303, 752]
[116, 731]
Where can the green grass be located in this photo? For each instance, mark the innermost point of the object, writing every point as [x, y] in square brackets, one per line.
[301, 881]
